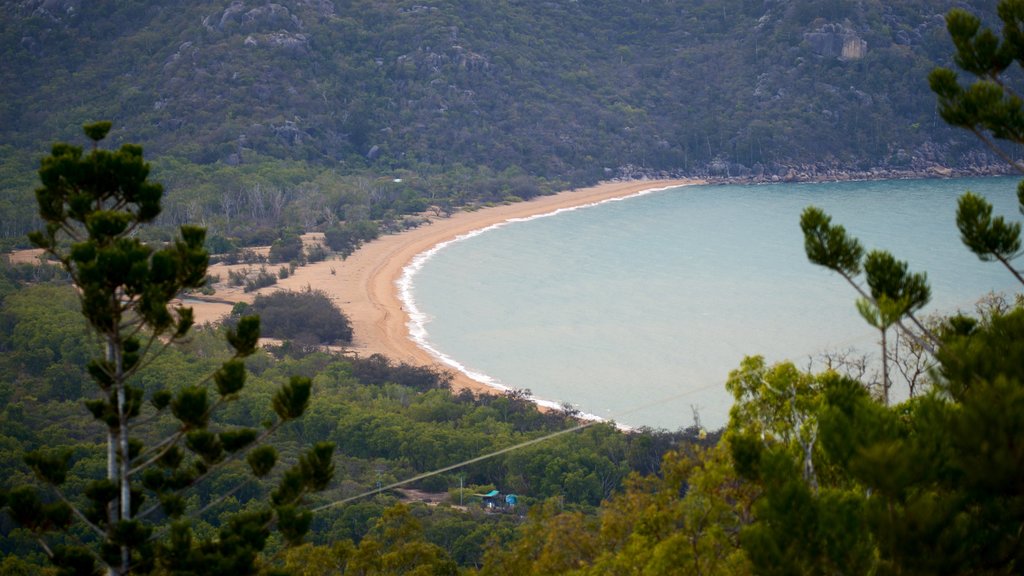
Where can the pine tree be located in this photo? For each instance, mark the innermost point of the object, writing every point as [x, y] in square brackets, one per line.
[93, 206]
[991, 108]
[933, 485]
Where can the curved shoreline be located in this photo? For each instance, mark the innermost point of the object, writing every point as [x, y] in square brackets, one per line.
[365, 285]
[371, 295]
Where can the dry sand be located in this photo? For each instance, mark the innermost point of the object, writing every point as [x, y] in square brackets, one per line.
[364, 285]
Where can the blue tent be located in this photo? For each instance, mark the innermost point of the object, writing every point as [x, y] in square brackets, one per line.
[490, 500]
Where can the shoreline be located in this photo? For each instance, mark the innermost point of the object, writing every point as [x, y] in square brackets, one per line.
[381, 321]
[365, 286]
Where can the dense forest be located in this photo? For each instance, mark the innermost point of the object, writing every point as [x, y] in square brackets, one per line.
[306, 113]
[389, 421]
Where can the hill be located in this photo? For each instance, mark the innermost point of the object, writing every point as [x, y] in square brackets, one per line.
[475, 99]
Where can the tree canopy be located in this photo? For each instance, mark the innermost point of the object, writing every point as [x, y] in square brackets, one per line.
[931, 485]
[161, 441]
[308, 318]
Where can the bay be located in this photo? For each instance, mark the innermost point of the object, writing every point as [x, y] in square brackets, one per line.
[636, 310]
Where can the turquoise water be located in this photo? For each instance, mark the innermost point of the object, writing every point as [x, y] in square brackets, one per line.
[636, 310]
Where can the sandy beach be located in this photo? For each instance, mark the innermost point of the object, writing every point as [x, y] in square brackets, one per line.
[364, 285]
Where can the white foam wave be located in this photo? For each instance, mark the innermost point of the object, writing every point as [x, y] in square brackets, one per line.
[418, 320]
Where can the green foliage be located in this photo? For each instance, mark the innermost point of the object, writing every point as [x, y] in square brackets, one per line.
[307, 317]
[230, 378]
[51, 468]
[395, 545]
[287, 248]
[291, 400]
[893, 293]
[97, 130]
[262, 460]
[381, 414]
[346, 238]
[92, 206]
[990, 108]
[245, 335]
[987, 237]
[931, 485]
[888, 278]
[261, 280]
[829, 246]
[982, 107]
[378, 425]
[43, 342]
[37, 516]
[377, 370]
[684, 520]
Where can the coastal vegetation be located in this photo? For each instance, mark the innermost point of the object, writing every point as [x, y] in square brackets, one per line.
[389, 422]
[840, 481]
[306, 318]
[190, 500]
[160, 440]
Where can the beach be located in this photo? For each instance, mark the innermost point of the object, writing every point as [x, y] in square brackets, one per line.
[364, 286]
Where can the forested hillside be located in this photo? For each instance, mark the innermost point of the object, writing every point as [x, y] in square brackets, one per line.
[322, 102]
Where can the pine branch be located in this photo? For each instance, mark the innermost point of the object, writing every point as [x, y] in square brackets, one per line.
[213, 468]
[145, 357]
[928, 346]
[163, 447]
[78, 512]
[924, 330]
[996, 149]
[170, 441]
[1012, 270]
[44, 546]
[998, 79]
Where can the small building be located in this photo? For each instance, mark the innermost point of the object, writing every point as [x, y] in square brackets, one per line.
[493, 500]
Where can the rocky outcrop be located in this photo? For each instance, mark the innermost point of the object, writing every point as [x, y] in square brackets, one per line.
[240, 17]
[836, 41]
[297, 44]
[925, 161]
[57, 10]
[854, 48]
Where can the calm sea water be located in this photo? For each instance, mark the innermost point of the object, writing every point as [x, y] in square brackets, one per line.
[636, 310]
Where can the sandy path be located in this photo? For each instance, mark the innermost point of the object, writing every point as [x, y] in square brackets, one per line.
[363, 285]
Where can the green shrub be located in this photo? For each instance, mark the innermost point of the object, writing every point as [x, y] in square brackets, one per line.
[308, 317]
[262, 280]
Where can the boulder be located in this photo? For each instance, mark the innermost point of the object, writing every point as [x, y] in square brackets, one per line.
[836, 41]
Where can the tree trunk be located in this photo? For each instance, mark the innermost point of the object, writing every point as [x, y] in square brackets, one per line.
[885, 369]
[122, 451]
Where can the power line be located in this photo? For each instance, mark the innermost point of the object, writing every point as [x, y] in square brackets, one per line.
[378, 488]
[507, 449]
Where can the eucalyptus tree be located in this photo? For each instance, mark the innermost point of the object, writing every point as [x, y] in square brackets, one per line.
[160, 442]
